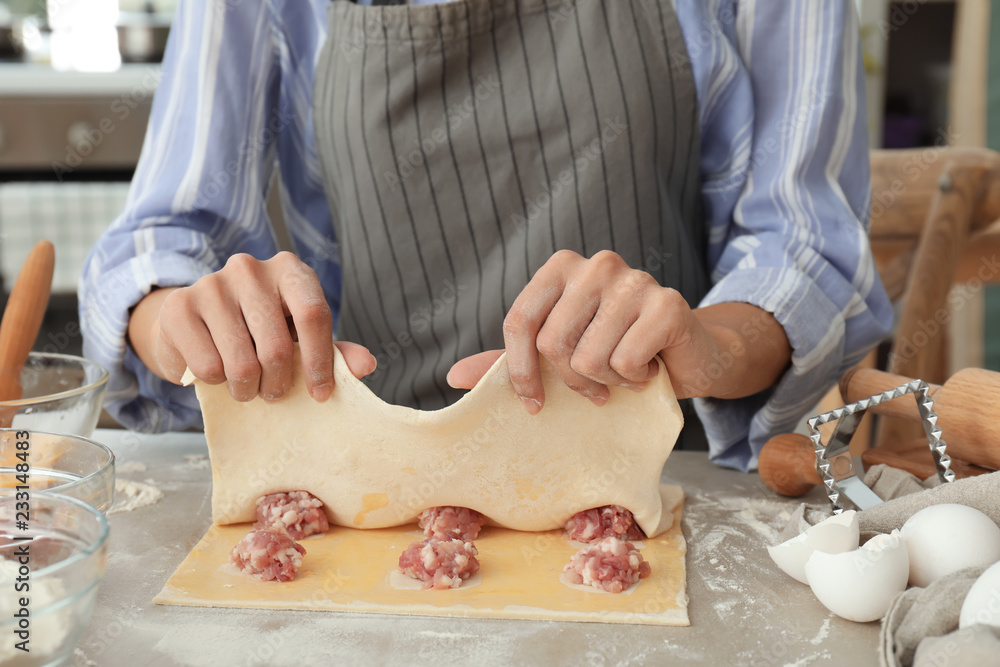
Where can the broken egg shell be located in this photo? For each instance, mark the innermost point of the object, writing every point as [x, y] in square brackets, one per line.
[835, 535]
[860, 585]
[946, 538]
[982, 604]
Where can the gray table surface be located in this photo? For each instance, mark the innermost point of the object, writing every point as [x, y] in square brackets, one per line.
[743, 610]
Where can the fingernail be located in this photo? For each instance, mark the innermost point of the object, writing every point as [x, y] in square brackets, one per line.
[598, 400]
[635, 386]
[533, 406]
[447, 378]
[270, 398]
[322, 392]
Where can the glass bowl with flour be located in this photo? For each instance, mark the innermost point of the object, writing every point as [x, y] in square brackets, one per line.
[68, 465]
[52, 560]
[60, 392]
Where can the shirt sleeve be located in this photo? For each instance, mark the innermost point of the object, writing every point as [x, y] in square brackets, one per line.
[197, 197]
[786, 191]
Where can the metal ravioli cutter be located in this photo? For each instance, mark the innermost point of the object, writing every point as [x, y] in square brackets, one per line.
[840, 471]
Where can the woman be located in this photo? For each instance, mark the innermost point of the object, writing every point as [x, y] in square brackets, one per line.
[559, 179]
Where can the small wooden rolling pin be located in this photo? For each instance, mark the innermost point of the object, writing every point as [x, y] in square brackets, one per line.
[21, 321]
[968, 408]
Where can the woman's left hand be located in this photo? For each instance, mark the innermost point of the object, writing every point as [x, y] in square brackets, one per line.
[600, 323]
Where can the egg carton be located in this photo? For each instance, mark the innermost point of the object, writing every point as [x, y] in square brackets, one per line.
[840, 471]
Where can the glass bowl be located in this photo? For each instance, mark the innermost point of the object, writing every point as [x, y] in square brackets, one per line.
[65, 564]
[61, 393]
[65, 464]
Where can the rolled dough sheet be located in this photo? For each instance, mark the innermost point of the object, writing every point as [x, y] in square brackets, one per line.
[348, 570]
[376, 465]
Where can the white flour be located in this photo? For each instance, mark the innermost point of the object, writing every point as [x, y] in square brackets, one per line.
[729, 557]
[809, 659]
[824, 632]
[47, 630]
[80, 659]
[196, 461]
[228, 641]
[131, 495]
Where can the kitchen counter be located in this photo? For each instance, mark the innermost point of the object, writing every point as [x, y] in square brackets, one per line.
[744, 611]
[38, 80]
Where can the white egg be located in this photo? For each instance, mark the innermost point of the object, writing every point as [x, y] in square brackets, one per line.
[982, 604]
[835, 535]
[860, 585]
[945, 538]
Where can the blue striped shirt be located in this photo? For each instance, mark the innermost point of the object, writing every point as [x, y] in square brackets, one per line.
[784, 171]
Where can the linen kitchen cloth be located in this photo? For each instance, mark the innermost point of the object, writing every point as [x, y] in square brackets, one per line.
[976, 646]
[921, 627]
[904, 496]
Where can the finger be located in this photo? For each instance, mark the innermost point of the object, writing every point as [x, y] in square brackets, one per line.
[305, 301]
[665, 326]
[634, 358]
[466, 373]
[523, 322]
[592, 355]
[199, 354]
[265, 320]
[224, 318]
[183, 341]
[360, 361]
[561, 332]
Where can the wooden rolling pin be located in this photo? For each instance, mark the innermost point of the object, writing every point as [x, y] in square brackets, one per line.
[21, 321]
[968, 408]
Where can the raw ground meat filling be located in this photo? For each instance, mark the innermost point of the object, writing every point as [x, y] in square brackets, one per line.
[440, 563]
[611, 565]
[451, 523]
[601, 522]
[298, 513]
[268, 555]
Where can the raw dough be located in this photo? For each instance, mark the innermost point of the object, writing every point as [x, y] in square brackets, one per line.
[376, 465]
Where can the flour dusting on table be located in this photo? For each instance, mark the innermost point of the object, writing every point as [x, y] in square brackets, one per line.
[729, 534]
[131, 495]
[809, 659]
[824, 632]
[196, 461]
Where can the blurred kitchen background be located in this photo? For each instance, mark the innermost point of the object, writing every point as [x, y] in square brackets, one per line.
[77, 79]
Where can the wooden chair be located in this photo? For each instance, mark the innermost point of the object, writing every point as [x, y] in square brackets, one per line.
[935, 214]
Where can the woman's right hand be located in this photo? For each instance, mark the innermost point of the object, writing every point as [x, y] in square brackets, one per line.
[237, 325]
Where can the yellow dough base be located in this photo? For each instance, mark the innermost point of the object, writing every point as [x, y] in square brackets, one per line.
[348, 570]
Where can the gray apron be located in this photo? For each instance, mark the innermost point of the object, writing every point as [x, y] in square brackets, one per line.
[464, 143]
